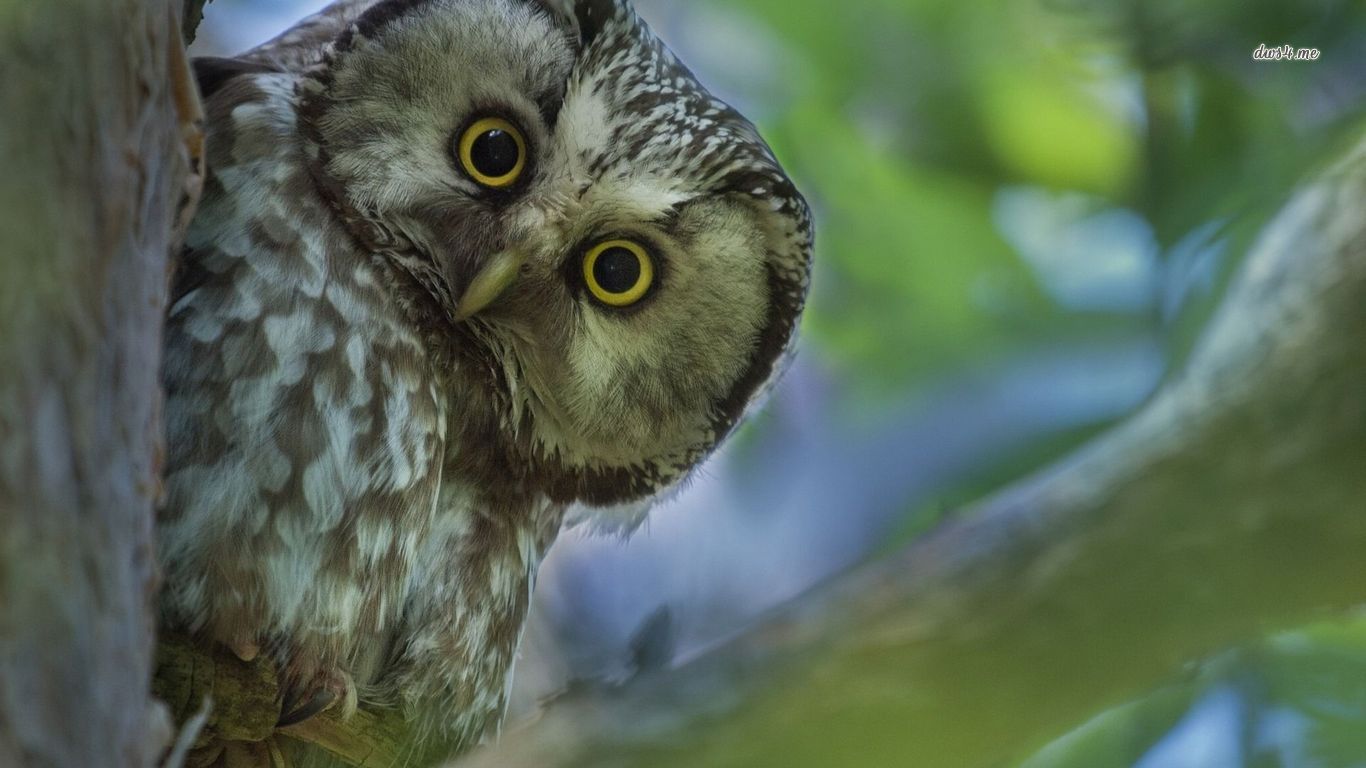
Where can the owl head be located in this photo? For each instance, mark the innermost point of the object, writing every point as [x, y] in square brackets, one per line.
[614, 256]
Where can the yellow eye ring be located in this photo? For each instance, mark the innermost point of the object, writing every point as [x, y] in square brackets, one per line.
[618, 272]
[493, 152]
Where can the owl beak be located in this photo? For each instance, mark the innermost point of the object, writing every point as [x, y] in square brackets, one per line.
[489, 283]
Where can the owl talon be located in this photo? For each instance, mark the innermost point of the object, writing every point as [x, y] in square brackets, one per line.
[301, 704]
[296, 711]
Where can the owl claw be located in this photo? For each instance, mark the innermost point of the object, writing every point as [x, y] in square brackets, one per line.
[301, 703]
[295, 710]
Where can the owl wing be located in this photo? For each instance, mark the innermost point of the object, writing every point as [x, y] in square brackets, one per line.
[301, 46]
[294, 50]
[303, 426]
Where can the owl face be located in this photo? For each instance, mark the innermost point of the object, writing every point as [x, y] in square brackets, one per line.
[617, 247]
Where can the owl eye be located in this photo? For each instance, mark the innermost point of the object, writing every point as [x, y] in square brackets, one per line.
[618, 272]
[493, 152]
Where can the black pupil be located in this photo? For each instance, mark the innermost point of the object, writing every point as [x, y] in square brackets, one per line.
[617, 270]
[494, 153]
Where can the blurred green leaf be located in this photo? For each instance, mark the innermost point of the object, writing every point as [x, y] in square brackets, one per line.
[1118, 737]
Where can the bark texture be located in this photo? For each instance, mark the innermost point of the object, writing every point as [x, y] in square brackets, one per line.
[97, 142]
[1232, 504]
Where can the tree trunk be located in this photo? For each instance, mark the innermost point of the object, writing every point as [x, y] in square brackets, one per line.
[1233, 503]
[98, 143]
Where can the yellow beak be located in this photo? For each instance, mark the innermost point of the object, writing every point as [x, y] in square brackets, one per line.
[489, 283]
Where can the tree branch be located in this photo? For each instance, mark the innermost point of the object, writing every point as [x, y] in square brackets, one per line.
[1231, 504]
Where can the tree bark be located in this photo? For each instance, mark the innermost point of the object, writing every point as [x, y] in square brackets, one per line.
[99, 144]
[1230, 505]
[193, 14]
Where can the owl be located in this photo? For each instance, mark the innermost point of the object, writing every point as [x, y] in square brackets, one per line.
[460, 267]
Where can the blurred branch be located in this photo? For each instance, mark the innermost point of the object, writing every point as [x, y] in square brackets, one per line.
[1229, 505]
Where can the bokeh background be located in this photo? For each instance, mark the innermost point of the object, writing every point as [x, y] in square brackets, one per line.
[1025, 212]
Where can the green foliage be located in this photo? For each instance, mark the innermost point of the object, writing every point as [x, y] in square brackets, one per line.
[909, 117]
[1311, 683]
[908, 120]
[1118, 737]
[985, 479]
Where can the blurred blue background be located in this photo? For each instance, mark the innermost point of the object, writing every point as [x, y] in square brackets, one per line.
[1025, 212]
